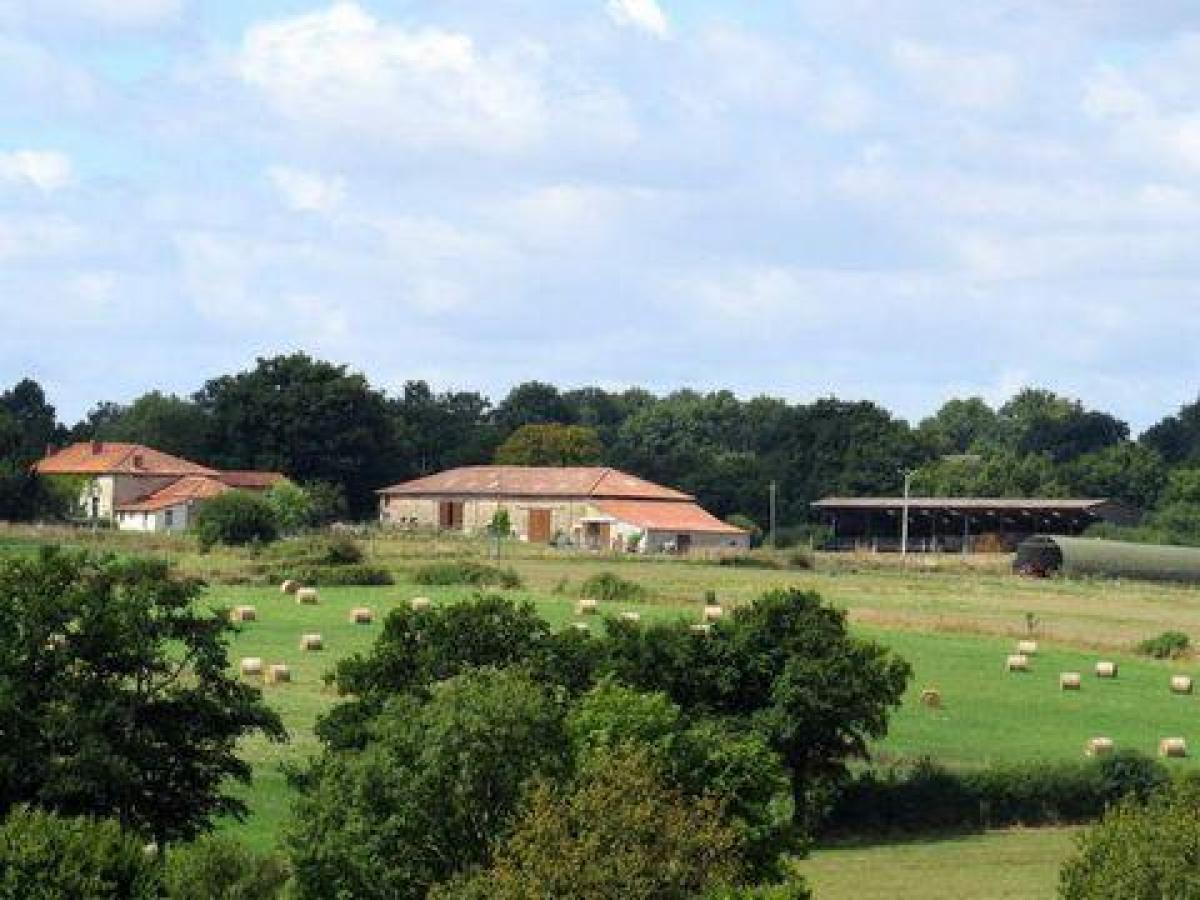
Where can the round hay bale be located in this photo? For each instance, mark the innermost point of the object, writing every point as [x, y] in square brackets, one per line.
[712, 613]
[307, 596]
[631, 617]
[251, 665]
[290, 586]
[311, 642]
[1099, 746]
[587, 606]
[1172, 748]
[1106, 669]
[1070, 681]
[243, 614]
[361, 615]
[932, 698]
[1017, 662]
[419, 603]
[278, 673]
[1027, 648]
[1181, 684]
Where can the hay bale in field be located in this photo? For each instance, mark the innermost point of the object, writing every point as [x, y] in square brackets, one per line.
[702, 627]
[932, 698]
[277, 673]
[587, 606]
[361, 615]
[713, 612]
[1027, 648]
[311, 642]
[243, 614]
[631, 616]
[1106, 669]
[1173, 748]
[1181, 684]
[307, 596]
[581, 626]
[1070, 681]
[1099, 746]
[251, 665]
[419, 603]
[289, 587]
[1017, 662]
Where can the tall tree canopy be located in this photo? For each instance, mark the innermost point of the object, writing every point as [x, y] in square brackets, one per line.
[551, 445]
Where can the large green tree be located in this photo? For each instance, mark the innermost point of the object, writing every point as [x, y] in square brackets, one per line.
[550, 445]
[115, 694]
[311, 420]
[162, 421]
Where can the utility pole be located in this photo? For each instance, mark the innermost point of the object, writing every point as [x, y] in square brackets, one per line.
[904, 514]
[772, 513]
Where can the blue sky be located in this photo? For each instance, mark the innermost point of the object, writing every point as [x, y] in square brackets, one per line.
[891, 199]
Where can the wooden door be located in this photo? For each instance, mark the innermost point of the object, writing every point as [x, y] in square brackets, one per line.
[450, 516]
[539, 526]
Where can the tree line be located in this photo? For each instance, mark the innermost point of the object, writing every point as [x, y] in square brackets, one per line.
[325, 425]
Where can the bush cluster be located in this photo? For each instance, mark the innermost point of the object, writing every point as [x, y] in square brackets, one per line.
[1168, 645]
[608, 587]
[932, 798]
[360, 575]
[466, 572]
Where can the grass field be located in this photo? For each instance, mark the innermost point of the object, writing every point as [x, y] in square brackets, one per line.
[953, 619]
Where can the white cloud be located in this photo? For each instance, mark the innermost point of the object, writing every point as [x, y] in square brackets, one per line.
[23, 236]
[966, 79]
[343, 72]
[46, 170]
[307, 191]
[645, 15]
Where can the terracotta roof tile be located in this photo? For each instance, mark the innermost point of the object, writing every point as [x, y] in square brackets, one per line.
[114, 458]
[537, 481]
[186, 489]
[249, 480]
[660, 515]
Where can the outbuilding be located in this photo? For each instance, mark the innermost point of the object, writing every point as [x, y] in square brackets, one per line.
[592, 507]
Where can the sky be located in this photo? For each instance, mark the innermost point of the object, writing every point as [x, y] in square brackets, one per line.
[896, 200]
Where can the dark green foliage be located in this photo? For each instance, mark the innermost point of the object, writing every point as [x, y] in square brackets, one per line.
[234, 518]
[219, 868]
[550, 445]
[749, 561]
[162, 421]
[747, 524]
[466, 572]
[27, 425]
[335, 576]
[1139, 851]
[787, 664]
[1168, 645]
[47, 857]
[115, 697]
[432, 790]
[620, 831]
[608, 587]
[340, 550]
[931, 798]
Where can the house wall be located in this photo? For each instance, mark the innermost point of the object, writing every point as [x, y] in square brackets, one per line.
[115, 490]
[156, 520]
[422, 512]
[656, 541]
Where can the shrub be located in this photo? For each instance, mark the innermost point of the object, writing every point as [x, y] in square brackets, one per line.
[607, 587]
[336, 576]
[931, 798]
[235, 518]
[340, 550]
[501, 524]
[1139, 852]
[466, 572]
[1168, 645]
[48, 857]
[291, 504]
[220, 868]
[749, 561]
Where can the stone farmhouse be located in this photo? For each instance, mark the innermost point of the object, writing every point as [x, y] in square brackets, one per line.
[591, 507]
[141, 489]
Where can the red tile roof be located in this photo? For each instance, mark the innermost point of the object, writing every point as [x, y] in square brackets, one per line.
[113, 458]
[187, 489]
[251, 481]
[537, 481]
[657, 515]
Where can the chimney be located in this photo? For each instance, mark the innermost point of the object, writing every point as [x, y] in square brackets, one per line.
[97, 448]
[51, 449]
